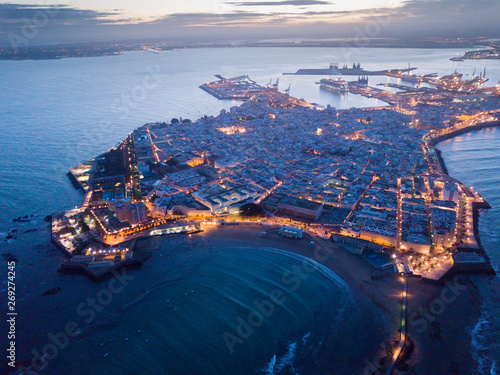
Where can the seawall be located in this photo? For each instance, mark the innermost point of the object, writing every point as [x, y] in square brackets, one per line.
[444, 137]
[476, 206]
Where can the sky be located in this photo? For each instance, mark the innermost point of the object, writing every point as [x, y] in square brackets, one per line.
[29, 22]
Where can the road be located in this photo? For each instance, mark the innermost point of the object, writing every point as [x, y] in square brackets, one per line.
[402, 338]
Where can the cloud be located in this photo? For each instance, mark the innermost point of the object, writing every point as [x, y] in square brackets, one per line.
[279, 3]
[212, 19]
[14, 16]
[411, 19]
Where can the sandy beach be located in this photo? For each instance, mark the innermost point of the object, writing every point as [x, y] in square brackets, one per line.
[442, 341]
[375, 299]
[440, 317]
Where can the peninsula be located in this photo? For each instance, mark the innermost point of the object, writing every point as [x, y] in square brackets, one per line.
[368, 180]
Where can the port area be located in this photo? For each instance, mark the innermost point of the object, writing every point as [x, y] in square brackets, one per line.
[438, 90]
[355, 70]
[485, 54]
[236, 88]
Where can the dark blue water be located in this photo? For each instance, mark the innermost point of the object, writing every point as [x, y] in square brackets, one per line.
[474, 159]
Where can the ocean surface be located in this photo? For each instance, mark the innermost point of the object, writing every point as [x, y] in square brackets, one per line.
[55, 114]
[474, 159]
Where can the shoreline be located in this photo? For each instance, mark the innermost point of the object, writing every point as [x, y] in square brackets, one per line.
[476, 206]
[367, 43]
[383, 296]
[379, 297]
[441, 138]
[481, 285]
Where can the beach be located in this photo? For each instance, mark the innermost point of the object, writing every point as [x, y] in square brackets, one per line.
[442, 341]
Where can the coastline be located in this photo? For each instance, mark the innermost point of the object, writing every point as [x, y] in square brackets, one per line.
[483, 288]
[441, 161]
[57, 51]
[490, 124]
[377, 300]
[476, 206]
[435, 340]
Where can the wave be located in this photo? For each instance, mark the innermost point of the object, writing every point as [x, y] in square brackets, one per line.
[480, 350]
[318, 266]
[494, 369]
[288, 358]
[269, 369]
[284, 363]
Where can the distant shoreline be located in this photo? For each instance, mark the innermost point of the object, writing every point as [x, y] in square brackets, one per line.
[57, 52]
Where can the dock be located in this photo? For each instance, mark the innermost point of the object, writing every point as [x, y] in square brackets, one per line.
[356, 70]
[236, 88]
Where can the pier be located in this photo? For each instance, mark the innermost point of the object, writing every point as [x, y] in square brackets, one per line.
[356, 70]
[236, 88]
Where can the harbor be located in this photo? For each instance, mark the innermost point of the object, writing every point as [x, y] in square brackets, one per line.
[355, 70]
[236, 88]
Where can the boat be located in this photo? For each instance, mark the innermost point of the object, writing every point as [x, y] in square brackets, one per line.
[456, 59]
[335, 85]
[412, 78]
[362, 81]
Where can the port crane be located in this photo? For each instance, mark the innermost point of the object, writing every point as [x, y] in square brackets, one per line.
[273, 85]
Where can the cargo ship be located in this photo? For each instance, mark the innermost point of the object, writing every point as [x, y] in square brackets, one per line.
[356, 70]
[335, 85]
[412, 78]
[362, 81]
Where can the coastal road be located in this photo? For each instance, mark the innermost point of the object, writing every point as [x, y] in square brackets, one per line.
[402, 338]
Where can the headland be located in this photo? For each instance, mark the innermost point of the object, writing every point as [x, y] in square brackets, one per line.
[367, 180]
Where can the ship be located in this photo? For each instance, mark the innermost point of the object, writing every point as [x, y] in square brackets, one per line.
[362, 81]
[412, 78]
[356, 70]
[335, 85]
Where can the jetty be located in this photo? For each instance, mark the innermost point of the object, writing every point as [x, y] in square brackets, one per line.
[355, 70]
